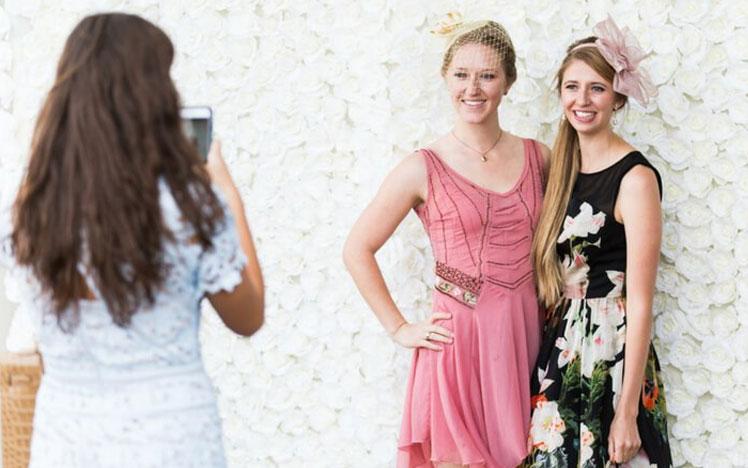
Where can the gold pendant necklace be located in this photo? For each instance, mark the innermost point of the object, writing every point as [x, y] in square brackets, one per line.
[482, 153]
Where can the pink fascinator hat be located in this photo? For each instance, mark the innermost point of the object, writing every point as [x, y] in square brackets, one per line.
[622, 51]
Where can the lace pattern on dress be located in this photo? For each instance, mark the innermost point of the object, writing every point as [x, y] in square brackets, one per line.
[222, 264]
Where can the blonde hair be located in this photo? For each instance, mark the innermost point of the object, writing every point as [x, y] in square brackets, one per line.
[493, 35]
[565, 165]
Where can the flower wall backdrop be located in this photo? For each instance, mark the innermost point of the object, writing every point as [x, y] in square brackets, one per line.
[316, 100]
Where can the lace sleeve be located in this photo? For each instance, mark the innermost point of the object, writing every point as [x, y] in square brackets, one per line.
[220, 266]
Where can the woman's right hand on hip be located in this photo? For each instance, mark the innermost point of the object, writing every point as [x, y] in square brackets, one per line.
[424, 334]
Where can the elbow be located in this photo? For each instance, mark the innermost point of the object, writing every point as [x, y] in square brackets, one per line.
[251, 326]
[349, 254]
[256, 316]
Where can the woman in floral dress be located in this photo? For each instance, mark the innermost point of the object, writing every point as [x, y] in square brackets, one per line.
[597, 396]
[478, 192]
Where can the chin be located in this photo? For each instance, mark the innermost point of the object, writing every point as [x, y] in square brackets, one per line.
[473, 117]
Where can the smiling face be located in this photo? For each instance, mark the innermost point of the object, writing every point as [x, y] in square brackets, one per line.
[587, 98]
[476, 82]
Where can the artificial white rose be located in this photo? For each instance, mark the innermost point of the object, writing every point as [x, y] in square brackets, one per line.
[717, 27]
[684, 353]
[739, 341]
[705, 151]
[662, 67]
[688, 12]
[698, 296]
[559, 34]
[662, 39]
[725, 170]
[691, 44]
[675, 150]
[737, 455]
[716, 458]
[698, 317]
[540, 60]
[24, 8]
[723, 266]
[697, 182]
[716, 61]
[543, 10]
[695, 267]
[698, 381]
[737, 398]
[724, 292]
[737, 47]
[693, 450]
[689, 426]
[716, 94]
[738, 214]
[671, 243]
[736, 77]
[574, 13]
[740, 373]
[690, 80]
[715, 414]
[673, 104]
[738, 109]
[721, 128]
[721, 385]
[696, 213]
[681, 404]
[675, 450]
[717, 356]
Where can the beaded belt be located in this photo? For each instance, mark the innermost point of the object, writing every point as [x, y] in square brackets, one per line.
[457, 284]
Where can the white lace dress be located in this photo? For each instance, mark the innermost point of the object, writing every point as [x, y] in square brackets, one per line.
[136, 396]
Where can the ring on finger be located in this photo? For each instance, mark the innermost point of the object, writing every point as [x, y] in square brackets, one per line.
[428, 337]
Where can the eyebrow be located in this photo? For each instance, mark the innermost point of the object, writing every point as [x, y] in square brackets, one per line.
[482, 69]
[592, 83]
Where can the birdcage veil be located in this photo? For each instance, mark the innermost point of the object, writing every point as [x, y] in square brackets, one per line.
[497, 51]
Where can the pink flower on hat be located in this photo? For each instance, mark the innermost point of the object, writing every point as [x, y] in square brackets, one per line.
[622, 51]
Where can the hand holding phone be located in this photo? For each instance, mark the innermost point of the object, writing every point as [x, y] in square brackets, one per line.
[197, 122]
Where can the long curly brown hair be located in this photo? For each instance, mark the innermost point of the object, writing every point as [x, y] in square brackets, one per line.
[107, 133]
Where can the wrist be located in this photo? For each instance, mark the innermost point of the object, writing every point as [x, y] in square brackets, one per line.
[392, 331]
[627, 410]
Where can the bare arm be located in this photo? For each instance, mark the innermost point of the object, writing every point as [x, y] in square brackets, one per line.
[404, 188]
[639, 208]
[242, 310]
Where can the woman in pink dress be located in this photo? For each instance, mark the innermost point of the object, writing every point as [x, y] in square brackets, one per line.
[478, 191]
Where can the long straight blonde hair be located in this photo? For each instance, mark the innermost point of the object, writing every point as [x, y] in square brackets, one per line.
[564, 167]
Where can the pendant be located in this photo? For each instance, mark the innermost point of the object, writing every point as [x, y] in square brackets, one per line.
[484, 158]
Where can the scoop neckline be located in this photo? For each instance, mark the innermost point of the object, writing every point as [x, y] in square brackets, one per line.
[514, 187]
[625, 156]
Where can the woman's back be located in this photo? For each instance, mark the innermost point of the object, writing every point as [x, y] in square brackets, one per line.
[137, 391]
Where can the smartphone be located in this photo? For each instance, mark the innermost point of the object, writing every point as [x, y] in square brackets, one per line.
[197, 122]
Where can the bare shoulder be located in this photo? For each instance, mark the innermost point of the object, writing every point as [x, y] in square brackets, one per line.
[640, 179]
[409, 178]
[413, 165]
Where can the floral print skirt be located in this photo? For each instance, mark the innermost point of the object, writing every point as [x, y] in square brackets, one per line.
[576, 387]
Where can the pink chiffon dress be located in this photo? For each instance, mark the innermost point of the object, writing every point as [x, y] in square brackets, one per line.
[469, 404]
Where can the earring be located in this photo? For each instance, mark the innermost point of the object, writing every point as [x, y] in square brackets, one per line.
[615, 118]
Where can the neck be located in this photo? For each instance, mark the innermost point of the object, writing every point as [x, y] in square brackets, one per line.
[596, 149]
[478, 135]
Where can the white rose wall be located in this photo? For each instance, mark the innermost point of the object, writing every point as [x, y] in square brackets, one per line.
[315, 101]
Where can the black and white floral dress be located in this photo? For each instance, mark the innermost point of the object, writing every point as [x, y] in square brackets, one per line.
[577, 380]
